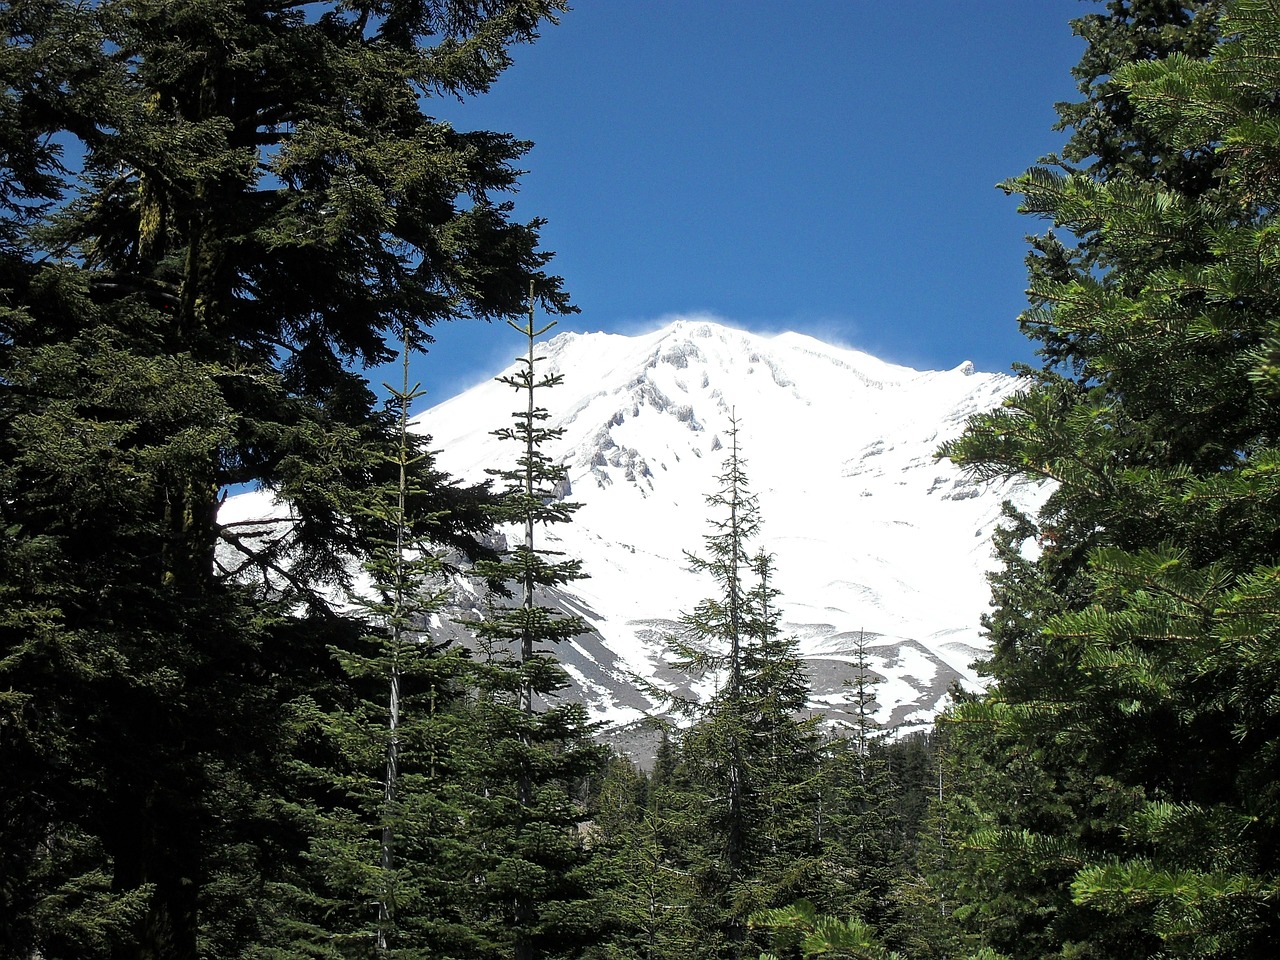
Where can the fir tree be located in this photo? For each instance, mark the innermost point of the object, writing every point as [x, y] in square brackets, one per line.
[640, 837]
[533, 753]
[862, 843]
[713, 640]
[262, 200]
[383, 808]
[749, 759]
[1145, 827]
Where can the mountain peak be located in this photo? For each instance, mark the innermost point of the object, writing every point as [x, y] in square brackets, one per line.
[869, 530]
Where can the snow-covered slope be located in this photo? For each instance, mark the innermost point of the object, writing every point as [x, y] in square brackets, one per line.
[870, 532]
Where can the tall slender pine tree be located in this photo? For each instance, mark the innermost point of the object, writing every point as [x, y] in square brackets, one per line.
[534, 753]
[748, 758]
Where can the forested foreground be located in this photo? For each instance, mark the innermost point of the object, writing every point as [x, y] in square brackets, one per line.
[234, 739]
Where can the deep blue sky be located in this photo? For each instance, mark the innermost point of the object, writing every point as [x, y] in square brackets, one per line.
[823, 165]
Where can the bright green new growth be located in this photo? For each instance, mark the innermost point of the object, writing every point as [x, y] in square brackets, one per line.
[801, 929]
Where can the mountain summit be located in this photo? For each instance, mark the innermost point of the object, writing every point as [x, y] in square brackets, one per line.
[870, 532]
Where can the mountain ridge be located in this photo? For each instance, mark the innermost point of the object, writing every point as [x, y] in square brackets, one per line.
[871, 533]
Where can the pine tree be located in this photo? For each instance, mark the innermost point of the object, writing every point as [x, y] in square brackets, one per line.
[862, 843]
[1106, 136]
[640, 838]
[261, 200]
[749, 760]
[384, 867]
[1147, 826]
[918, 918]
[712, 640]
[532, 754]
[785, 760]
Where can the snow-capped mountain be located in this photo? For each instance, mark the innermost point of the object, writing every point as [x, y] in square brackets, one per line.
[870, 532]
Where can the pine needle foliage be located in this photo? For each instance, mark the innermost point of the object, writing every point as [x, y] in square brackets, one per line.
[863, 842]
[531, 753]
[749, 759]
[1129, 651]
[213, 215]
[800, 929]
[384, 873]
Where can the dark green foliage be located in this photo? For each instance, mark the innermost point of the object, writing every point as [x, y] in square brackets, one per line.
[864, 840]
[376, 759]
[530, 754]
[212, 213]
[643, 837]
[119, 683]
[1122, 771]
[1104, 128]
[745, 793]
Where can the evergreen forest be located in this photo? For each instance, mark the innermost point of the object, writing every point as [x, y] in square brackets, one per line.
[237, 738]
